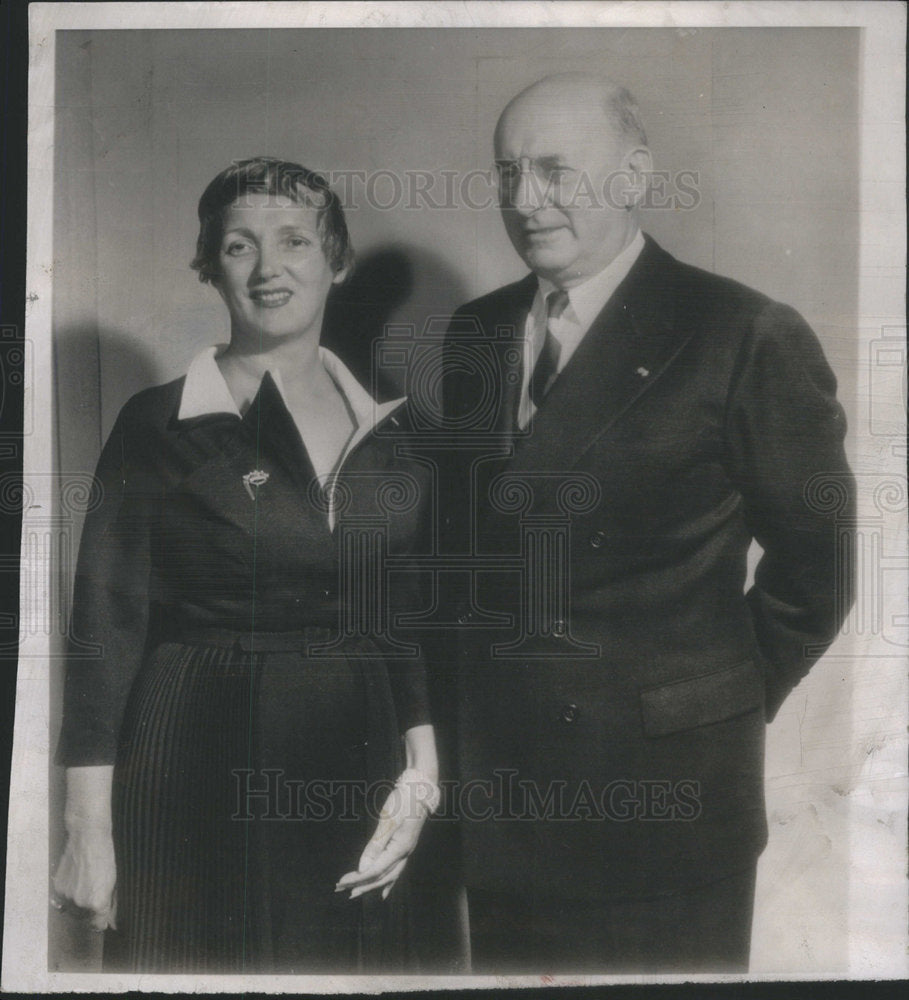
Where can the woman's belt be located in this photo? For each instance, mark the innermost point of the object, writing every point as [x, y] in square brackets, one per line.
[254, 641]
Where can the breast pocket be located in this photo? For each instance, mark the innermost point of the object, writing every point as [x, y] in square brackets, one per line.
[700, 701]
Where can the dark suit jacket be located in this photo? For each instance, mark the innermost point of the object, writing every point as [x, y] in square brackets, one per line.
[611, 718]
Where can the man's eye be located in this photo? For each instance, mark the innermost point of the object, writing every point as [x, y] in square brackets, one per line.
[509, 170]
[298, 242]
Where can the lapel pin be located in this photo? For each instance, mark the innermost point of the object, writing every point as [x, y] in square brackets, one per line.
[643, 372]
[256, 478]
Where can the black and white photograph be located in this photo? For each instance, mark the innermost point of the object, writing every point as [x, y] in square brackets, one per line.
[464, 533]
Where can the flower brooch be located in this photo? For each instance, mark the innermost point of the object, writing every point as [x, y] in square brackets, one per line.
[253, 480]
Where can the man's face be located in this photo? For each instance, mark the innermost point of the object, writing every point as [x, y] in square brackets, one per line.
[563, 180]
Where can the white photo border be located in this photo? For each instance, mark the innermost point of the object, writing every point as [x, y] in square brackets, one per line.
[881, 310]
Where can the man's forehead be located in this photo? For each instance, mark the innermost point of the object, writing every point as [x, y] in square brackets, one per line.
[540, 131]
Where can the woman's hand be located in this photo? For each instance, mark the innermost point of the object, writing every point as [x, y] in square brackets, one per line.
[87, 873]
[414, 797]
[87, 876]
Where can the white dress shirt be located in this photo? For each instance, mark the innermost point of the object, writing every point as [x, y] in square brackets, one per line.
[585, 302]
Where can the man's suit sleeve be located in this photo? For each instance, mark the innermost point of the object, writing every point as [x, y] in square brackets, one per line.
[785, 431]
[451, 461]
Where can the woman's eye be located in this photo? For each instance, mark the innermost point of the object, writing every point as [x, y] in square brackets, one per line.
[237, 248]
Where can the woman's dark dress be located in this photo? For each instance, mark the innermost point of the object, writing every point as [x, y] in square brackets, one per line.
[242, 750]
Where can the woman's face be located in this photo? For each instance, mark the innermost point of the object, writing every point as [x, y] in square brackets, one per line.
[274, 275]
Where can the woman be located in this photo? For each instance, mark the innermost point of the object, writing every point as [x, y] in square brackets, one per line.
[242, 719]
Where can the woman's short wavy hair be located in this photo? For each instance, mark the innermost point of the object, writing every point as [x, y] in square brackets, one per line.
[269, 175]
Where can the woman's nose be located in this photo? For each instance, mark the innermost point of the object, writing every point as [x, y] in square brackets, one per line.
[268, 263]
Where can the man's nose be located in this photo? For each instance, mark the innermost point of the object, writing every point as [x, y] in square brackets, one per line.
[528, 194]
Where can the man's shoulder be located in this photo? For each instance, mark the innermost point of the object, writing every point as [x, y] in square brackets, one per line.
[699, 286]
[505, 298]
[721, 310]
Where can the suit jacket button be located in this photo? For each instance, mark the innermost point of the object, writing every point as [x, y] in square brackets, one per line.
[570, 713]
[464, 618]
[559, 627]
[597, 539]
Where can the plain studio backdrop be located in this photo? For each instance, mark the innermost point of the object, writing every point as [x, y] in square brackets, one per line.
[761, 123]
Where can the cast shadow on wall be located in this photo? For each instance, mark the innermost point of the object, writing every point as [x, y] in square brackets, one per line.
[392, 284]
[83, 415]
[96, 371]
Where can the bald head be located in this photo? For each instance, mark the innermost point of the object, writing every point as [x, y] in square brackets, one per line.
[588, 98]
[573, 167]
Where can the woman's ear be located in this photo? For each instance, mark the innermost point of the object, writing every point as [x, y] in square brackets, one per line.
[340, 276]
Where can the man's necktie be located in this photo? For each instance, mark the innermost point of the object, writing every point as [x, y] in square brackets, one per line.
[547, 366]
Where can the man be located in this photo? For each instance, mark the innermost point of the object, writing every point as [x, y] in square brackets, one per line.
[623, 425]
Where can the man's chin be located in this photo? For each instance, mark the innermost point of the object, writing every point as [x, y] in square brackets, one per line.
[547, 266]
[545, 262]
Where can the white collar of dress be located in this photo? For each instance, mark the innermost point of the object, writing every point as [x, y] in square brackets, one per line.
[205, 392]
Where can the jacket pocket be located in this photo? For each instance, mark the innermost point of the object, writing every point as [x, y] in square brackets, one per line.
[699, 701]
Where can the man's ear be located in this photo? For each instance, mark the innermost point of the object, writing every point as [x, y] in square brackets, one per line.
[640, 167]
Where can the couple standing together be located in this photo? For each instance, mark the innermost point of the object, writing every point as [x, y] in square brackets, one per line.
[648, 420]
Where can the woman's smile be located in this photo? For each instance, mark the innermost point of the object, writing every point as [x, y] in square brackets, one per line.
[271, 298]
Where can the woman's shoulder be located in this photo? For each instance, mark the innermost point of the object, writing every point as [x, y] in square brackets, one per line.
[153, 408]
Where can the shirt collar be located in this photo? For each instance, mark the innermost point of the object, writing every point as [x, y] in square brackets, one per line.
[204, 389]
[588, 298]
[205, 392]
[366, 410]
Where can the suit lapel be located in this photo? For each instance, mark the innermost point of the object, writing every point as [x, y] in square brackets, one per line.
[511, 354]
[484, 355]
[628, 347]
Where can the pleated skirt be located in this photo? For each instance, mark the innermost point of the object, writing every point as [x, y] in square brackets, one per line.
[243, 791]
